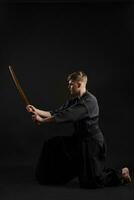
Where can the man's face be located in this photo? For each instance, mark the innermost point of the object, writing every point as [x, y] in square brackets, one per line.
[74, 87]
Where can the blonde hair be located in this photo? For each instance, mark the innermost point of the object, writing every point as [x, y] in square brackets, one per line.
[78, 76]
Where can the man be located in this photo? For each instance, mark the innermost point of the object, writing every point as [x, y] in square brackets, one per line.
[84, 153]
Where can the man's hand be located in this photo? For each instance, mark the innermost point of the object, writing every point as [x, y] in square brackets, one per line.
[31, 109]
[37, 118]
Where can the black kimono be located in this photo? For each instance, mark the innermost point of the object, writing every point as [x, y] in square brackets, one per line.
[83, 154]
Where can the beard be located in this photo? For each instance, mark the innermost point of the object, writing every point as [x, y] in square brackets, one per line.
[73, 94]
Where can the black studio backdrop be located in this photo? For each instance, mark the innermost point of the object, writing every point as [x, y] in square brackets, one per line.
[44, 42]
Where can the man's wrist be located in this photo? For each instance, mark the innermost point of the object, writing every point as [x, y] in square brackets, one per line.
[49, 119]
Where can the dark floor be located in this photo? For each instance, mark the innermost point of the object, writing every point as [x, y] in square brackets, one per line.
[18, 183]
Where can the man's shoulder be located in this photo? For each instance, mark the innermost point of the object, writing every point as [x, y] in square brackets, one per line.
[89, 96]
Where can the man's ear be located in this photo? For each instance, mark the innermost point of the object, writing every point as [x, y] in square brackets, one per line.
[79, 84]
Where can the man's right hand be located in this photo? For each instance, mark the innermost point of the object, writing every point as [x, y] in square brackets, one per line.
[31, 109]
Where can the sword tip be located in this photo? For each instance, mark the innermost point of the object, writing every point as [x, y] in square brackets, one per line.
[10, 67]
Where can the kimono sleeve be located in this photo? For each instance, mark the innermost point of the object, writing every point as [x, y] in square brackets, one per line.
[61, 108]
[73, 113]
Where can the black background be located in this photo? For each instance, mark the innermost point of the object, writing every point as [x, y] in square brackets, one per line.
[44, 42]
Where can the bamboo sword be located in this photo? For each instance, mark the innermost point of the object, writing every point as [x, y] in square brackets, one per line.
[20, 90]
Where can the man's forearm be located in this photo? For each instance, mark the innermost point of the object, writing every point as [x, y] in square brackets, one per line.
[43, 113]
[49, 119]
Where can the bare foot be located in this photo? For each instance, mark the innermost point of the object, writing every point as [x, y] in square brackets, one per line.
[126, 179]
